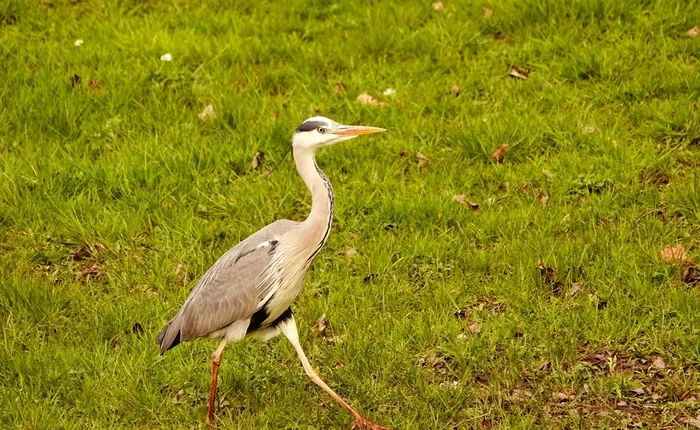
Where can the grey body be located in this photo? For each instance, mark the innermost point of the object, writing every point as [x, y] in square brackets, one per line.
[232, 290]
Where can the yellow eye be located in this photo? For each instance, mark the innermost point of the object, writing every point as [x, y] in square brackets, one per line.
[321, 130]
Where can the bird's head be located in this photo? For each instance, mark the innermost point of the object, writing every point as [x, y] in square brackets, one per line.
[318, 131]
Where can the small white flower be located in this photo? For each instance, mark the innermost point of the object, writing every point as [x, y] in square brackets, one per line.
[389, 92]
[166, 57]
[78, 42]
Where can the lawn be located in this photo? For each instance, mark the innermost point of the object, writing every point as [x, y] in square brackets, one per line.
[548, 283]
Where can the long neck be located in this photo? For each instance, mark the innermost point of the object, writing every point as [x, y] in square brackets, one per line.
[317, 225]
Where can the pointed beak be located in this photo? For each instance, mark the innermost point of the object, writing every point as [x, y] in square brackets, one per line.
[357, 130]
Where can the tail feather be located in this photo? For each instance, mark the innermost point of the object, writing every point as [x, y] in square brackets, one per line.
[168, 338]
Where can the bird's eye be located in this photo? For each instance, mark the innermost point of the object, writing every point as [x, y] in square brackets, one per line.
[321, 130]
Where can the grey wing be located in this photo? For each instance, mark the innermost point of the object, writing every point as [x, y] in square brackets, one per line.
[229, 291]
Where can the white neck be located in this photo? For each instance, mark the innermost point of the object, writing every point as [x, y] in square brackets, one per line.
[317, 225]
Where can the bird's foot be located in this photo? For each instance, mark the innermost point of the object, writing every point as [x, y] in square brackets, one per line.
[362, 423]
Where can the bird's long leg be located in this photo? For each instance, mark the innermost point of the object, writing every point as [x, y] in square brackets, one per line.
[289, 328]
[215, 363]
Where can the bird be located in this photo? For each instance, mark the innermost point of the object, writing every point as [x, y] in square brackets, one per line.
[248, 291]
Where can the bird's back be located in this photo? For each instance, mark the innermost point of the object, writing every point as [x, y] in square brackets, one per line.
[229, 291]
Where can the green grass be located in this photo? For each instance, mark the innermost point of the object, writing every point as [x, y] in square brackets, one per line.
[442, 318]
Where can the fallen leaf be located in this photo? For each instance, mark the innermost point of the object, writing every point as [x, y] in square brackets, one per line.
[694, 32]
[8, 20]
[137, 329]
[658, 363]
[695, 422]
[589, 129]
[339, 89]
[438, 5]
[560, 397]
[456, 90]
[91, 271]
[207, 113]
[321, 324]
[488, 13]
[95, 84]
[575, 289]
[542, 197]
[673, 254]
[367, 99]
[475, 327]
[638, 391]
[521, 394]
[461, 314]
[500, 153]
[339, 364]
[422, 159]
[256, 162]
[519, 73]
[462, 199]
[550, 278]
[691, 276]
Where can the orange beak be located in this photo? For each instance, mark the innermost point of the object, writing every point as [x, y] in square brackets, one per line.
[357, 130]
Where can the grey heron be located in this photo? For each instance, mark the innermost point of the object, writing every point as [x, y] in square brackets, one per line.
[249, 290]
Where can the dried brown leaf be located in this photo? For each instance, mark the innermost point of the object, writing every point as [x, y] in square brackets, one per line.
[462, 199]
[695, 422]
[256, 162]
[589, 129]
[673, 254]
[91, 271]
[367, 99]
[422, 159]
[461, 314]
[500, 153]
[518, 73]
[521, 394]
[339, 89]
[95, 84]
[691, 275]
[542, 197]
[694, 32]
[560, 397]
[488, 13]
[658, 363]
[575, 288]
[321, 324]
[549, 275]
[207, 113]
[475, 327]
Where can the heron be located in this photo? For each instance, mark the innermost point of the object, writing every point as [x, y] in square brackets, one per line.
[249, 290]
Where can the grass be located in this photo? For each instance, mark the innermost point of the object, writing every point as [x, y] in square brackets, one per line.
[115, 197]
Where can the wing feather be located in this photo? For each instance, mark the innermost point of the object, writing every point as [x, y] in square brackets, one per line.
[228, 291]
